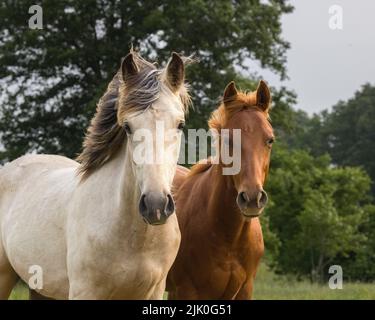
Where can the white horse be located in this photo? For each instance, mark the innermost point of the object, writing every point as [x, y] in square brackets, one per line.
[103, 228]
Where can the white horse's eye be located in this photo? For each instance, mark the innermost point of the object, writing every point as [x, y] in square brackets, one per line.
[181, 125]
[127, 128]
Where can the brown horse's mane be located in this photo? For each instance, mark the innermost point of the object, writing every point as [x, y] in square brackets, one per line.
[105, 135]
[229, 107]
[201, 166]
[222, 115]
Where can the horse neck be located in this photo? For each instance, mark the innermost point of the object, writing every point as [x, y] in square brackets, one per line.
[224, 215]
[116, 183]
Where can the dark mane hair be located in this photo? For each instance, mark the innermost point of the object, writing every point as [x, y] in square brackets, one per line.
[105, 136]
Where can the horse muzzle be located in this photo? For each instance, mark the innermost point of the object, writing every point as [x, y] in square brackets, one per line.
[155, 208]
[252, 207]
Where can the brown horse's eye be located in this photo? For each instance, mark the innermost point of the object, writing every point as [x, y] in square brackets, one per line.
[127, 128]
[270, 141]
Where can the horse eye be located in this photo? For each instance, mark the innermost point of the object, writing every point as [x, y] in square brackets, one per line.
[270, 141]
[127, 128]
[181, 126]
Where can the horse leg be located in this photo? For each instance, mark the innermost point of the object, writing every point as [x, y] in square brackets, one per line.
[256, 240]
[8, 277]
[246, 292]
[159, 290]
[184, 292]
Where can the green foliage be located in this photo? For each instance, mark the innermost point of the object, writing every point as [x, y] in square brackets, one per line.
[52, 78]
[272, 242]
[333, 216]
[319, 214]
[360, 265]
[347, 132]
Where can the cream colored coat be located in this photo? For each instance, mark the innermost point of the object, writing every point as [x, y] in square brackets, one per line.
[88, 238]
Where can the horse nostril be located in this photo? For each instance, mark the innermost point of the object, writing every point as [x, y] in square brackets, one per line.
[156, 207]
[242, 200]
[142, 204]
[262, 199]
[170, 206]
[244, 197]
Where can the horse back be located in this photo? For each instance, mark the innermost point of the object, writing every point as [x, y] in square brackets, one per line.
[27, 170]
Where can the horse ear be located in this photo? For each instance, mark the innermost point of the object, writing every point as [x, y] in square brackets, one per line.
[230, 91]
[175, 72]
[128, 67]
[263, 96]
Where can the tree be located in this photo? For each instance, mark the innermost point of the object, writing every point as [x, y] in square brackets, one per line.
[319, 214]
[360, 265]
[346, 133]
[325, 233]
[52, 78]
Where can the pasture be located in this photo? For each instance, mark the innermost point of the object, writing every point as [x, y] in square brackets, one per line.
[269, 286]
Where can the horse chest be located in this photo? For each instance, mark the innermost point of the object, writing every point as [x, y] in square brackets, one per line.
[137, 281]
[222, 280]
[121, 263]
[125, 278]
[129, 270]
[230, 278]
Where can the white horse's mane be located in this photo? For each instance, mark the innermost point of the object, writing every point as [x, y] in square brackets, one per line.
[105, 136]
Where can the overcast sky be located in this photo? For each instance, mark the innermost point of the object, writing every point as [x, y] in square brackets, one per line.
[324, 65]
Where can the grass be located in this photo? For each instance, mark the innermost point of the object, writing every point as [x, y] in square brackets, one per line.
[20, 292]
[269, 286]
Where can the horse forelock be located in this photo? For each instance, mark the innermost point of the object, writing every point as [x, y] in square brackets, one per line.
[220, 117]
[242, 101]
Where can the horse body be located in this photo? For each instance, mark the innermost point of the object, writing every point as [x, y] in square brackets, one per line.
[35, 191]
[103, 228]
[74, 235]
[220, 251]
[123, 255]
[221, 237]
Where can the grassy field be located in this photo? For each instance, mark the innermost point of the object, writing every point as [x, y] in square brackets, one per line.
[269, 286]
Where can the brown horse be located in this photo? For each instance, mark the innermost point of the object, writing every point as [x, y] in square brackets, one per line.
[222, 241]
